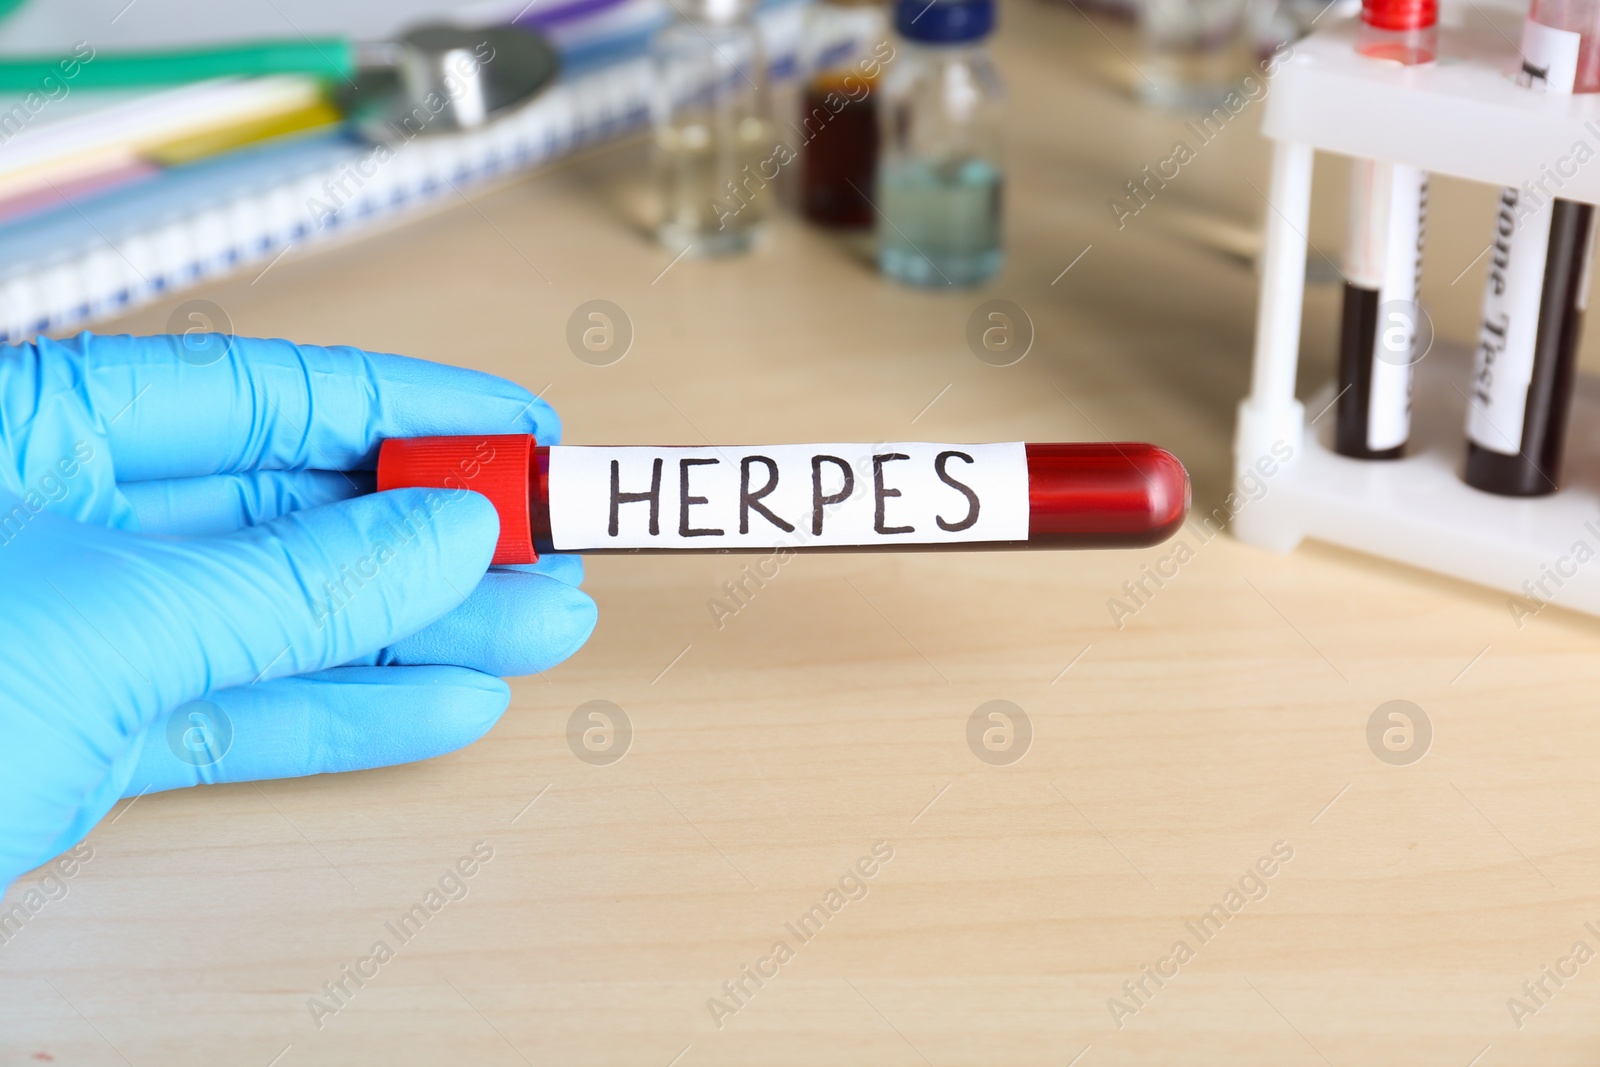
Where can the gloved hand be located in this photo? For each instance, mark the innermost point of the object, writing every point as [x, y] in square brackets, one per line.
[191, 590]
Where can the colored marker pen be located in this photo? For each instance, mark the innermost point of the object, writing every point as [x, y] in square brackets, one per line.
[762, 498]
[1538, 283]
[1383, 258]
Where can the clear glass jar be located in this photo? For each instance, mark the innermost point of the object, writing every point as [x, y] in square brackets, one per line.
[846, 44]
[714, 156]
[1195, 52]
[940, 174]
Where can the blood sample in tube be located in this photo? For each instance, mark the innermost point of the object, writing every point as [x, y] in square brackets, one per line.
[1521, 390]
[840, 497]
[1383, 259]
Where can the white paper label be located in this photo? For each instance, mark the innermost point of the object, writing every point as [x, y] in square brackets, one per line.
[1521, 246]
[1504, 365]
[764, 496]
[1404, 191]
[1549, 58]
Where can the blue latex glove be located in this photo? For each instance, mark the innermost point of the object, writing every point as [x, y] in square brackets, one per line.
[176, 538]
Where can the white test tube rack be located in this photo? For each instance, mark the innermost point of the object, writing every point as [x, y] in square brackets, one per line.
[1462, 116]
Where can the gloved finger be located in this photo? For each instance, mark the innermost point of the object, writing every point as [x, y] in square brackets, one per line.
[87, 809]
[272, 404]
[135, 626]
[512, 624]
[222, 503]
[346, 719]
[560, 566]
[308, 591]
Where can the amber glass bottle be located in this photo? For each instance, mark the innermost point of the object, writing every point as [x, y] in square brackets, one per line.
[846, 48]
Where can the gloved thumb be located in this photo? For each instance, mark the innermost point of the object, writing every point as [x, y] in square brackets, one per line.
[319, 587]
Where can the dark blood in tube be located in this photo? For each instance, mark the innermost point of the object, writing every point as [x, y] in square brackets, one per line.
[1383, 259]
[1538, 282]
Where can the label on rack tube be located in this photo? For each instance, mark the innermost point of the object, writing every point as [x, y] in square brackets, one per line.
[1367, 232]
[1507, 337]
[1549, 58]
[1404, 191]
[765, 496]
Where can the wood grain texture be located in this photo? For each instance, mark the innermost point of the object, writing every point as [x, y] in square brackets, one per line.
[830, 713]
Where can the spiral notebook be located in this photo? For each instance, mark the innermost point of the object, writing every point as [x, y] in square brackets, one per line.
[94, 257]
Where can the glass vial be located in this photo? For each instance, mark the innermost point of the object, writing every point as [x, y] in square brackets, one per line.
[1533, 305]
[939, 171]
[1195, 52]
[714, 156]
[846, 47]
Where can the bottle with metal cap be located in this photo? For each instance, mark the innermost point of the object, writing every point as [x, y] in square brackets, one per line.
[715, 158]
[940, 173]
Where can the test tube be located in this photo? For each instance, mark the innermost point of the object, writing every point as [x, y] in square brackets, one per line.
[1521, 395]
[766, 498]
[1383, 258]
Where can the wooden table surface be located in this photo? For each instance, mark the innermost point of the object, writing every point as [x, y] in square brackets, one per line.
[1220, 731]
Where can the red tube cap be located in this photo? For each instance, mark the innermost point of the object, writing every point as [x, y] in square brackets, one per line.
[1400, 14]
[500, 466]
